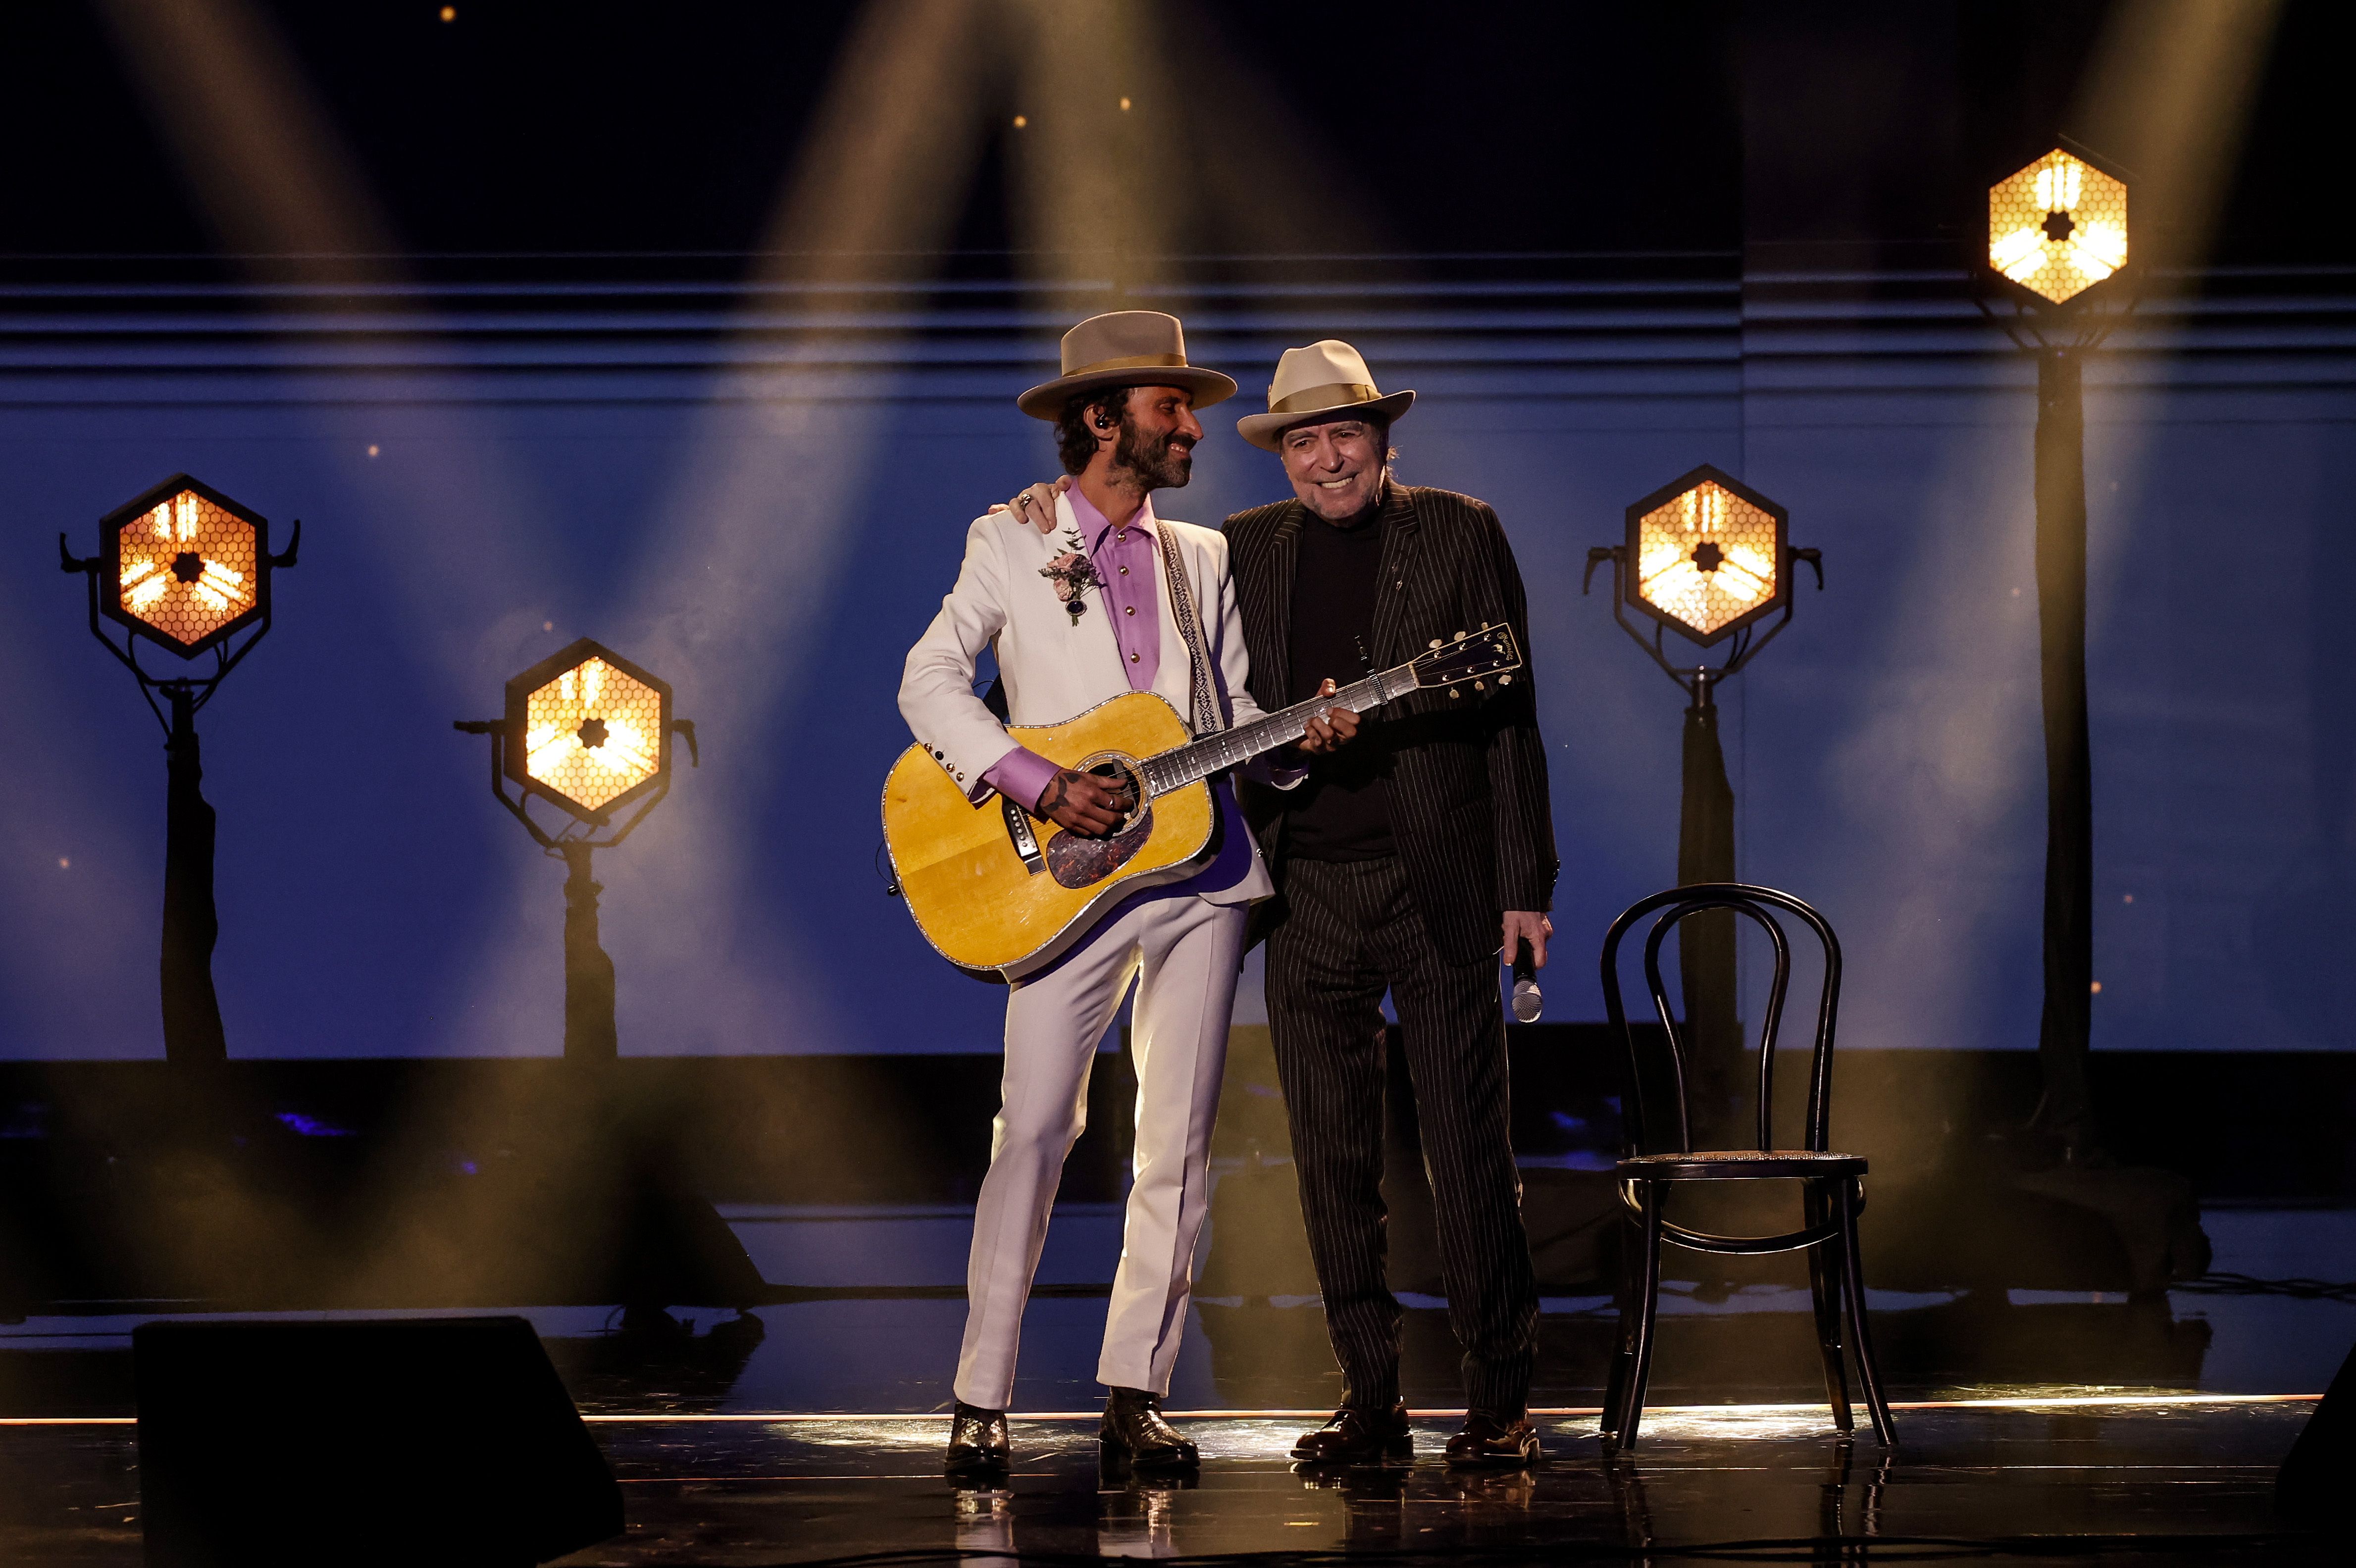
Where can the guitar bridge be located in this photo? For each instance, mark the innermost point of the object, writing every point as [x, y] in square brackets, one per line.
[1018, 828]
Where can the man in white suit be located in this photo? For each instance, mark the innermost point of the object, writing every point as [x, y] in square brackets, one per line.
[1076, 615]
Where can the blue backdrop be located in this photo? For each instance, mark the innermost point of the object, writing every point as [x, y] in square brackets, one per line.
[763, 504]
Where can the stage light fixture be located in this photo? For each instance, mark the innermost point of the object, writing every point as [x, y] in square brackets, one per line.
[588, 731]
[2057, 253]
[2058, 227]
[187, 570]
[595, 731]
[184, 568]
[1709, 556]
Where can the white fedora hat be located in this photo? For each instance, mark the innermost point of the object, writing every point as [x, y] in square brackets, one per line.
[1325, 381]
[1125, 348]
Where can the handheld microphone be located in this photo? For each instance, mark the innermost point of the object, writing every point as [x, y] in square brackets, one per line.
[1528, 1000]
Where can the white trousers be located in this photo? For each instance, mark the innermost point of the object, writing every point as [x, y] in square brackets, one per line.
[1183, 951]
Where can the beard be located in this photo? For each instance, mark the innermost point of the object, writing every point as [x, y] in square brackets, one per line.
[1161, 463]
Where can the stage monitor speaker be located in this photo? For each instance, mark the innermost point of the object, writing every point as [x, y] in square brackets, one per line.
[2316, 1480]
[442, 1440]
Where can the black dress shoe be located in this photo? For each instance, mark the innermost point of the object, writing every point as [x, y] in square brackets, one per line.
[1135, 1435]
[1491, 1442]
[977, 1441]
[1358, 1437]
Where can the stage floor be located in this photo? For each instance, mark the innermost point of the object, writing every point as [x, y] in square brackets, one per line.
[2139, 1431]
[2074, 1477]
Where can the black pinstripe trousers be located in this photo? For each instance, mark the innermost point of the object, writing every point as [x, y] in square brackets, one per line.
[1350, 933]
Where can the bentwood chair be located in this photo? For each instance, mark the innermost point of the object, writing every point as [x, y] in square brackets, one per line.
[1832, 1185]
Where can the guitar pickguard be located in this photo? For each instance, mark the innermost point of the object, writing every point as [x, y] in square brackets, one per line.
[1078, 862]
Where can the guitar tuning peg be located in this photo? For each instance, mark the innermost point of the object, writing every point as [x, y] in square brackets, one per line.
[1478, 687]
[1454, 692]
[1505, 680]
[1460, 636]
[1435, 641]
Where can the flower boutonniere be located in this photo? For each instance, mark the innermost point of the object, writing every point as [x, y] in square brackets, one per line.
[1073, 573]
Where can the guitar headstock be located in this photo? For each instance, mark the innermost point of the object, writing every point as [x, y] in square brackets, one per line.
[1492, 650]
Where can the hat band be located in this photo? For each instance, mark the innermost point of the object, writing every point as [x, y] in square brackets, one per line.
[1332, 395]
[1133, 362]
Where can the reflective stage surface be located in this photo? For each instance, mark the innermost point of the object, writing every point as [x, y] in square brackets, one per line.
[2035, 1483]
[2025, 1416]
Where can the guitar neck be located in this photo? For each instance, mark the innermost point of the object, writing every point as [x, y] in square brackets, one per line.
[1217, 753]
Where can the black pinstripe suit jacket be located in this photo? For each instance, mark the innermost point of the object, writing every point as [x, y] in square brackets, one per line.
[1468, 791]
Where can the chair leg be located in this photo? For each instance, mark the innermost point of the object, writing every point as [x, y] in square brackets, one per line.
[1860, 1338]
[1823, 1286]
[1623, 1303]
[1648, 1286]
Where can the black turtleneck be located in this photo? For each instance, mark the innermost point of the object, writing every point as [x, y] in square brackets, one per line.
[1341, 811]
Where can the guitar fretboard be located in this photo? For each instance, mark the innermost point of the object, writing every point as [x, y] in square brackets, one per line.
[1217, 753]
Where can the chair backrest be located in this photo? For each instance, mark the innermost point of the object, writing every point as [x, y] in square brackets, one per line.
[1755, 902]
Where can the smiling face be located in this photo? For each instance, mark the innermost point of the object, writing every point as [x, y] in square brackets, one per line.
[1336, 467]
[1156, 439]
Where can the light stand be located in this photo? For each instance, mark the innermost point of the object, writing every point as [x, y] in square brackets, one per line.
[1706, 557]
[590, 732]
[2057, 253]
[184, 567]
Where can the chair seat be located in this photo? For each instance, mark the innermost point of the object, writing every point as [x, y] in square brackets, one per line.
[1739, 1164]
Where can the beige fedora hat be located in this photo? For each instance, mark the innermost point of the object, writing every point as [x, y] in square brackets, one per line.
[1125, 348]
[1325, 381]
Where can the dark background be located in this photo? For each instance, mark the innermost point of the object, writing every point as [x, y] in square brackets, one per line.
[531, 129]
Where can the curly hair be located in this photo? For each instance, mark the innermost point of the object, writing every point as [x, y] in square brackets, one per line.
[1075, 435]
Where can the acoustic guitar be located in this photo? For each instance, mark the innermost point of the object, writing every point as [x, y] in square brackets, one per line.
[993, 887]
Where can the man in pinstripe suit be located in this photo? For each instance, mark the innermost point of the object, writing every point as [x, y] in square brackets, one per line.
[1404, 864]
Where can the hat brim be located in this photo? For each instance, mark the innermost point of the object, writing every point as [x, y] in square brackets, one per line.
[1262, 430]
[1046, 400]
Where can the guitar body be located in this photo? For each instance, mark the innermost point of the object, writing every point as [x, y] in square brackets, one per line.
[981, 900]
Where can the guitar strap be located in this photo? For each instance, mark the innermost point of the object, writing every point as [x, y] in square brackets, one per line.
[1207, 718]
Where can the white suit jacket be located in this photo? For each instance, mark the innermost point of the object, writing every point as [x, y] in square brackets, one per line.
[1055, 667]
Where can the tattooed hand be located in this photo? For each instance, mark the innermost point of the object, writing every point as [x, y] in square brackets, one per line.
[1084, 804]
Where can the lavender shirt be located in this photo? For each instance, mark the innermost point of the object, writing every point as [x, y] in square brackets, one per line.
[1124, 558]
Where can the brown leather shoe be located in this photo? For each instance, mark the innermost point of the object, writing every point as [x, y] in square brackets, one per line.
[978, 1441]
[1358, 1437]
[1135, 1436]
[1490, 1442]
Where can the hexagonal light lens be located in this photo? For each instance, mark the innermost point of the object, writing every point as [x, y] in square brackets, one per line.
[2058, 227]
[588, 729]
[184, 566]
[1706, 555]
